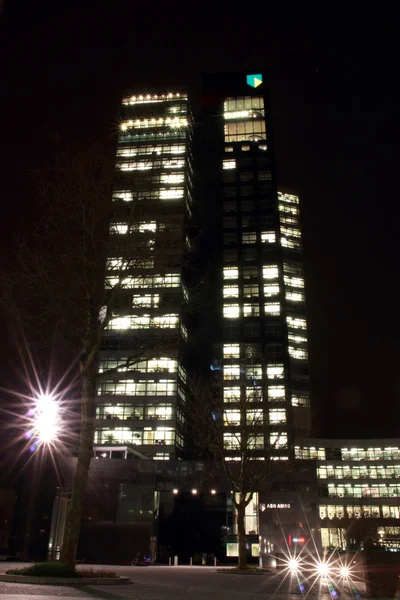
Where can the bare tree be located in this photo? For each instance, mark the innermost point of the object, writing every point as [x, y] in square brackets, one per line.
[72, 270]
[235, 437]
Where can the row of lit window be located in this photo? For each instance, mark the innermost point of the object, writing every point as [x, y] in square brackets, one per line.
[309, 452]
[233, 311]
[253, 416]
[145, 281]
[288, 209]
[160, 122]
[149, 98]
[144, 322]
[133, 263]
[361, 491]
[162, 412]
[148, 165]
[268, 272]
[154, 365]
[248, 130]
[232, 441]
[130, 387]
[162, 194]
[358, 512]
[288, 198]
[359, 472]
[243, 103]
[125, 435]
[145, 149]
[232, 395]
[246, 148]
[370, 453]
[273, 371]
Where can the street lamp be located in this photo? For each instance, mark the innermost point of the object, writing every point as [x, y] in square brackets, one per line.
[44, 421]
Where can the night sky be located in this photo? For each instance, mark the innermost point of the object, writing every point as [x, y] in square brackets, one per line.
[335, 103]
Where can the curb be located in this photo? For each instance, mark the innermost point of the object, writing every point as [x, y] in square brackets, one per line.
[65, 580]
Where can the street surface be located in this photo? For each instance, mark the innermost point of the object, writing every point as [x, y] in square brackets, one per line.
[169, 583]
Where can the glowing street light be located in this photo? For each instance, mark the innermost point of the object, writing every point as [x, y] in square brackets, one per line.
[45, 422]
[293, 565]
[194, 492]
[323, 569]
[175, 491]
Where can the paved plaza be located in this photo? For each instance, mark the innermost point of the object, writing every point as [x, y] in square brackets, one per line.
[170, 583]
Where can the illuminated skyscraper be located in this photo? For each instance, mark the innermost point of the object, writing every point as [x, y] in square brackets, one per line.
[260, 331]
[142, 384]
[255, 336]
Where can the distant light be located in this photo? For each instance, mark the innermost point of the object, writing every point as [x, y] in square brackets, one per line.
[213, 492]
[293, 565]
[323, 568]
[123, 127]
[345, 571]
[175, 491]
[194, 491]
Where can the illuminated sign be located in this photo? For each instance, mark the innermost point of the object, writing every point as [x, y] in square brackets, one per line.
[278, 505]
[254, 80]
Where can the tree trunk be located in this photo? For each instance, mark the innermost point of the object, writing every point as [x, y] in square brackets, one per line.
[75, 507]
[241, 512]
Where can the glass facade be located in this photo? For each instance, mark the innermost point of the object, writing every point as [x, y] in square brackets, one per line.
[261, 287]
[142, 370]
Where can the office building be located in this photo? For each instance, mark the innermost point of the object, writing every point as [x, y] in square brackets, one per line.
[358, 490]
[255, 269]
[141, 388]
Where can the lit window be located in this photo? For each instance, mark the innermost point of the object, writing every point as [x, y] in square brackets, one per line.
[166, 321]
[249, 238]
[228, 148]
[270, 272]
[119, 228]
[264, 176]
[171, 194]
[250, 291]
[271, 289]
[251, 310]
[255, 417]
[299, 353]
[231, 350]
[294, 296]
[263, 147]
[300, 401]
[119, 323]
[231, 291]
[231, 311]
[287, 209]
[290, 232]
[245, 148]
[254, 393]
[288, 198]
[172, 178]
[296, 323]
[150, 300]
[272, 308]
[290, 243]
[298, 339]
[277, 415]
[231, 417]
[229, 163]
[276, 392]
[253, 372]
[144, 226]
[275, 371]
[231, 441]
[255, 442]
[278, 440]
[231, 273]
[268, 237]
[231, 372]
[297, 282]
[232, 394]
[125, 196]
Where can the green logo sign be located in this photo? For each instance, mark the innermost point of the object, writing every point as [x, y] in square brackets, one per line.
[254, 80]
